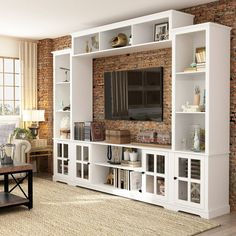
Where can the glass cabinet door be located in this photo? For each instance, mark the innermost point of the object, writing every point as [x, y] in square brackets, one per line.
[62, 158]
[189, 179]
[155, 172]
[82, 161]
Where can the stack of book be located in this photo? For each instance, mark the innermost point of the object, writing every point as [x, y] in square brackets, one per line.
[190, 69]
[126, 179]
[82, 131]
[200, 56]
[201, 66]
[79, 130]
[131, 163]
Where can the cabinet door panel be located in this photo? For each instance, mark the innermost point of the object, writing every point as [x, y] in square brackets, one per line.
[59, 166]
[183, 167]
[160, 164]
[78, 170]
[189, 181]
[150, 162]
[78, 153]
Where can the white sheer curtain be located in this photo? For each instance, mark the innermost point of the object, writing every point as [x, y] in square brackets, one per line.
[28, 61]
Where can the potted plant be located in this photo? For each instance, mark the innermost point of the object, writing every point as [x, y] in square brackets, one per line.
[21, 133]
[196, 100]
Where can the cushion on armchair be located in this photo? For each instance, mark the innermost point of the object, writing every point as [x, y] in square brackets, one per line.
[5, 131]
[22, 147]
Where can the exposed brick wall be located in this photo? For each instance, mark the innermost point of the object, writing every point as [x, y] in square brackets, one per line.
[222, 12]
[45, 92]
[45, 87]
[62, 43]
[126, 62]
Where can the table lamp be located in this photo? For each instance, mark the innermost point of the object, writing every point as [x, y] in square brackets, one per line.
[33, 116]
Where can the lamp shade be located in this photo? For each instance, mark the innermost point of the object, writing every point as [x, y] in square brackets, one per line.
[33, 115]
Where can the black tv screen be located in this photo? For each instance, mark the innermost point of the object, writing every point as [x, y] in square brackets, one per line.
[134, 94]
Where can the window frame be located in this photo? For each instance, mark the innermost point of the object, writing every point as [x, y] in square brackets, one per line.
[3, 86]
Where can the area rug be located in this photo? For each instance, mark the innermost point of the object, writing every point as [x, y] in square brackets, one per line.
[65, 210]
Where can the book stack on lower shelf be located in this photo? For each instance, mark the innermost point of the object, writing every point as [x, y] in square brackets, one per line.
[125, 179]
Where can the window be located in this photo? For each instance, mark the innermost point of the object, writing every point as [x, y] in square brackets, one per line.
[9, 86]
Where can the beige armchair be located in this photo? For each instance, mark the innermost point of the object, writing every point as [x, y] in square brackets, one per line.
[22, 147]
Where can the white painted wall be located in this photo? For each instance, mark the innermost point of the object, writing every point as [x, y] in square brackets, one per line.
[9, 47]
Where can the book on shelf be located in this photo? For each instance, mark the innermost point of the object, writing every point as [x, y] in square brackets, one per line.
[200, 55]
[201, 66]
[121, 178]
[87, 131]
[190, 69]
[115, 182]
[133, 164]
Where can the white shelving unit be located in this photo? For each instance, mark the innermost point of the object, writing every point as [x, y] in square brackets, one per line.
[61, 88]
[174, 177]
[195, 173]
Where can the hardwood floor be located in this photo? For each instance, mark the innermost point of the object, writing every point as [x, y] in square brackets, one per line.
[227, 228]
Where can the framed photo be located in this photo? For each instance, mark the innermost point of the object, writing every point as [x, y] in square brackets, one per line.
[161, 31]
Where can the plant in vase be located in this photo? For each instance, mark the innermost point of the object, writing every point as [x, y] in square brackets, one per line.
[126, 153]
[196, 99]
[20, 133]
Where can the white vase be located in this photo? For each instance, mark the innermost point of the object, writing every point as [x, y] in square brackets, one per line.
[126, 155]
[133, 156]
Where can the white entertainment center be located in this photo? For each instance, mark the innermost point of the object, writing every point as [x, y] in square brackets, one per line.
[185, 173]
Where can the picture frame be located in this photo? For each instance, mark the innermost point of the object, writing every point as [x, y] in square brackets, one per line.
[161, 31]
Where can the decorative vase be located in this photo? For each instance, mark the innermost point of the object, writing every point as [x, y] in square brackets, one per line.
[196, 100]
[126, 155]
[193, 129]
[133, 156]
[196, 145]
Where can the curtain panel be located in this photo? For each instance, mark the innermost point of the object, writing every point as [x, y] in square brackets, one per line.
[28, 62]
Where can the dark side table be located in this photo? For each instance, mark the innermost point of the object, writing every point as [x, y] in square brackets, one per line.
[36, 153]
[7, 198]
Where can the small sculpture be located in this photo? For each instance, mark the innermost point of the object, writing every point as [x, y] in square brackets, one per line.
[191, 108]
[95, 43]
[110, 179]
[119, 41]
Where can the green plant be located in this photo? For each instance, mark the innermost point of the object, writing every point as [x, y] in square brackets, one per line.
[20, 133]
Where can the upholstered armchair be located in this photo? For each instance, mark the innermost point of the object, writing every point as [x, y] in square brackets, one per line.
[22, 146]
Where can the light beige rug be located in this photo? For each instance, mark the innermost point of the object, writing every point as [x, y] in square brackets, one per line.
[60, 209]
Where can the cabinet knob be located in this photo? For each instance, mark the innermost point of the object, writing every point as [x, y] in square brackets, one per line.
[140, 190]
[175, 178]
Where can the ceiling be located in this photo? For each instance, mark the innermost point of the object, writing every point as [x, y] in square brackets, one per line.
[38, 19]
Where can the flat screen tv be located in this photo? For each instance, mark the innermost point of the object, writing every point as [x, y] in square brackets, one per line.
[134, 94]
